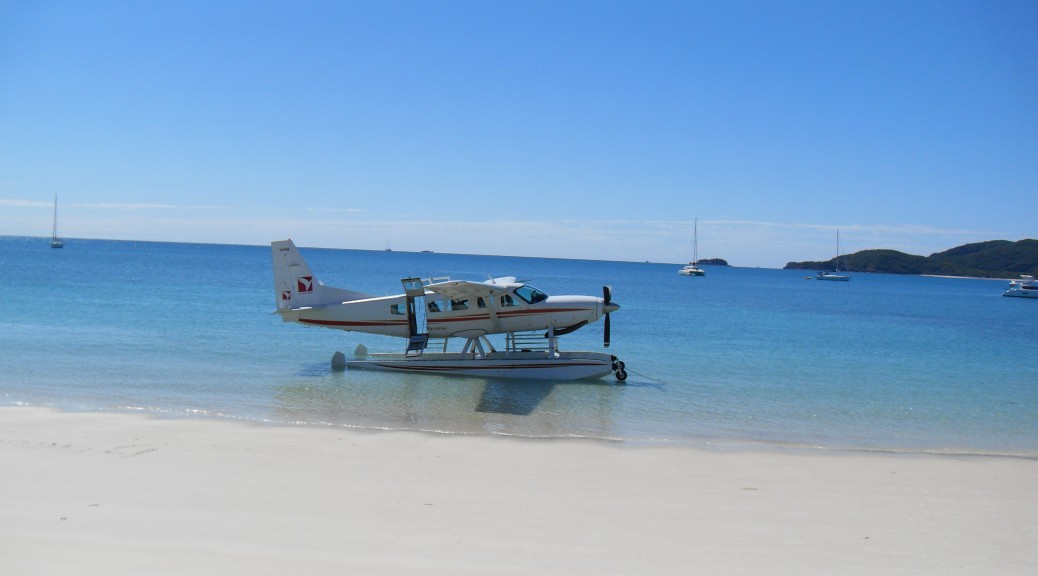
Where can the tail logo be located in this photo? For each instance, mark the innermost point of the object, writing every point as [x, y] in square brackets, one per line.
[305, 284]
[286, 294]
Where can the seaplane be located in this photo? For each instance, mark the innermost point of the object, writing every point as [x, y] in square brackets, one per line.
[452, 310]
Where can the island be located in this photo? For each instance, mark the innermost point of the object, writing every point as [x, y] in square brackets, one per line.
[713, 262]
[991, 259]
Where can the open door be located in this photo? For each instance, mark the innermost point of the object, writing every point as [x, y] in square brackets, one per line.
[417, 327]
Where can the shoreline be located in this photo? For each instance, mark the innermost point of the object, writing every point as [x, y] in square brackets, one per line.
[128, 494]
[968, 277]
[704, 443]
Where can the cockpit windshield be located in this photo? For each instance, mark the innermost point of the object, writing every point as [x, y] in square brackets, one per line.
[530, 294]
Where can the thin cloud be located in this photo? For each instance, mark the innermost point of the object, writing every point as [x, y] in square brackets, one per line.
[336, 210]
[25, 203]
[134, 207]
[123, 206]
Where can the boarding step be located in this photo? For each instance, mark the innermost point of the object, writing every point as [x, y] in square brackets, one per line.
[421, 343]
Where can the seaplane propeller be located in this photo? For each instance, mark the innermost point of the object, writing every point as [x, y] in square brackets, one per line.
[607, 307]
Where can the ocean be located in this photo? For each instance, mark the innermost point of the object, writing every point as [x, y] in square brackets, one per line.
[742, 357]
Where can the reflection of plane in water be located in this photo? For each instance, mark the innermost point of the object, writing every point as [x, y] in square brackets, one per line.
[444, 308]
[473, 405]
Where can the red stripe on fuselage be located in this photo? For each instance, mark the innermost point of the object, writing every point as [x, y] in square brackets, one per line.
[434, 317]
[533, 312]
[442, 320]
[431, 320]
[353, 323]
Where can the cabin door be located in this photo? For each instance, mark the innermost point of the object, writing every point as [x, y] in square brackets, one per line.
[417, 327]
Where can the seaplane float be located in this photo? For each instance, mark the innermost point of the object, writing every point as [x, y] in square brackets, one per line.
[451, 310]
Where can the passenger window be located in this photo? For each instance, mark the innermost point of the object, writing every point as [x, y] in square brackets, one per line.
[434, 306]
[507, 301]
[459, 304]
[396, 309]
[480, 303]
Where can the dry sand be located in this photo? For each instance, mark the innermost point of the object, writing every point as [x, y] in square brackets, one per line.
[124, 494]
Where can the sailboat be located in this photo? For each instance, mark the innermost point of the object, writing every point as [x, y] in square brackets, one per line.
[692, 268]
[56, 242]
[836, 276]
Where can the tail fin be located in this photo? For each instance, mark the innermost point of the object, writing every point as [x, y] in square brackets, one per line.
[295, 285]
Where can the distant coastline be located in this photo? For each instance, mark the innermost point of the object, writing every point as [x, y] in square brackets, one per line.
[999, 259]
[970, 277]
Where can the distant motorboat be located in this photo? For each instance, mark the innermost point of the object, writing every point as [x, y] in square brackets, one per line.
[834, 276]
[692, 268]
[1025, 287]
[56, 242]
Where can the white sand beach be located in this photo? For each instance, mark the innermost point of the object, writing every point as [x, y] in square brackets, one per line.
[125, 494]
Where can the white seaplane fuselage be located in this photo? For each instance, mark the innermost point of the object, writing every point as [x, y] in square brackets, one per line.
[449, 309]
[503, 310]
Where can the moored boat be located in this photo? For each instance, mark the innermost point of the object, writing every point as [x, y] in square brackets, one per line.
[824, 275]
[692, 268]
[1025, 287]
[56, 242]
[834, 276]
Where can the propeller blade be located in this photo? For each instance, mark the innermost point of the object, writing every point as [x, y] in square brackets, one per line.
[607, 294]
[606, 338]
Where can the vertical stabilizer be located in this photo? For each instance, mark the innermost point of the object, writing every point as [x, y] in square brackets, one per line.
[295, 285]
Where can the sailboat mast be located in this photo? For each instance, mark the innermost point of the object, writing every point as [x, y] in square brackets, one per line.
[55, 242]
[838, 249]
[695, 241]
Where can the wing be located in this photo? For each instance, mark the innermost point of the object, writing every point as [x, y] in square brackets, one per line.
[460, 289]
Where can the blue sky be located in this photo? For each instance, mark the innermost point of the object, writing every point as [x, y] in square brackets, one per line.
[566, 129]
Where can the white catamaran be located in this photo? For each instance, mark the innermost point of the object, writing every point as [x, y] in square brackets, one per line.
[692, 268]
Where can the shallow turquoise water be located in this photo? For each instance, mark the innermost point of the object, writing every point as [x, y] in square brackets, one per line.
[742, 355]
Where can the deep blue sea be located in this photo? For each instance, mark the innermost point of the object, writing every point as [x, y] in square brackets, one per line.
[740, 357]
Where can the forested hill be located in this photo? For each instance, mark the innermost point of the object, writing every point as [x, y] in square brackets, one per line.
[992, 259]
[713, 261]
